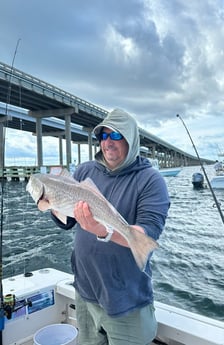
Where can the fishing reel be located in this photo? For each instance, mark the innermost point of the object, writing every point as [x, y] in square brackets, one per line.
[11, 305]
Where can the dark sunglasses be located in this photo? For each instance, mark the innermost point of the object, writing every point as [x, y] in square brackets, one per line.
[112, 135]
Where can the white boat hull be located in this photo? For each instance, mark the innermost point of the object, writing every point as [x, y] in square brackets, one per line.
[53, 298]
[217, 182]
[168, 172]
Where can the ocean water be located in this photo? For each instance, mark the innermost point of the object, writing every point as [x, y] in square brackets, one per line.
[188, 266]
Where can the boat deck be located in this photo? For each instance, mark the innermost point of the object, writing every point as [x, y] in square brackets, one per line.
[53, 302]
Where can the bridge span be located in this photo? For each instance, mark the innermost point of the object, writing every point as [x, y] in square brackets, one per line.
[44, 106]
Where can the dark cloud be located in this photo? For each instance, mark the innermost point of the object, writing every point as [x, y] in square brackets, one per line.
[154, 58]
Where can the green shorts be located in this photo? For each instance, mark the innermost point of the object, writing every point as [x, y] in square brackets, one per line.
[138, 327]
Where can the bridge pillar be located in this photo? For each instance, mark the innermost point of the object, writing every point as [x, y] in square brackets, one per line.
[2, 145]
[79, 153]
[90, 141]
[39, 141]
[68, 139]
[60, 150]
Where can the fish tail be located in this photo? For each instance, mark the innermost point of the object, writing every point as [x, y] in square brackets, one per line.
[141, 246]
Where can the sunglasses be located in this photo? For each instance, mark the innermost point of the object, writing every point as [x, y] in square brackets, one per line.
[112, 135]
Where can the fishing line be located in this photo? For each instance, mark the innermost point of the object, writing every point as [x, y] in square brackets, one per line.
[2, 166]
[10, 78]
[203, 169]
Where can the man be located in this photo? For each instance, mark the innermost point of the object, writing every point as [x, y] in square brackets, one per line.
[218, 166]
[114, 299]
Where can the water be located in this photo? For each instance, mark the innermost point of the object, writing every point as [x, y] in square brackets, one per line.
[188, 267]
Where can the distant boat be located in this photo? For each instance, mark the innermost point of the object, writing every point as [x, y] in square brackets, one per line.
[217, 182]
[168, 172]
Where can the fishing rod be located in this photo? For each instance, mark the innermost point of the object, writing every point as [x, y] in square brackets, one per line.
[203, 169]
[3, 305]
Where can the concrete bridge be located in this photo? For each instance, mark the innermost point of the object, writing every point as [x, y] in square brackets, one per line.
[54, 112]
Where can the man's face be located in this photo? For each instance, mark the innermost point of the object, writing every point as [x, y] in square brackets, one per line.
[114, 151]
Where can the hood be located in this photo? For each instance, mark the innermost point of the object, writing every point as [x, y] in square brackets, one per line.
[120, 121]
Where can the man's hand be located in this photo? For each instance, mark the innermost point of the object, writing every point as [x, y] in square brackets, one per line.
[85, 218]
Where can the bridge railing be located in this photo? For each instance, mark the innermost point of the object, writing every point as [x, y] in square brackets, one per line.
[32, 83]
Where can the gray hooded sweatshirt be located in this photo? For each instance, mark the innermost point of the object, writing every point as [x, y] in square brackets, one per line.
[120, 121]
[106, 273]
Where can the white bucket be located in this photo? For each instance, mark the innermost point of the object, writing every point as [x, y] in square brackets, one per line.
[56, 334]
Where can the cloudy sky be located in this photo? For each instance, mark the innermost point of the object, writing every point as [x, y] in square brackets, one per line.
[153, 58]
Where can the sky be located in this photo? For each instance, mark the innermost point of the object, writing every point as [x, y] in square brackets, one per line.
[152, 58]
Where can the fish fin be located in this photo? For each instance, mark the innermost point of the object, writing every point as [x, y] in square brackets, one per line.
[63, 176]
[58, 172]
[65, 173]
[61, 217]
[89, 184]
[141, 246]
